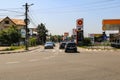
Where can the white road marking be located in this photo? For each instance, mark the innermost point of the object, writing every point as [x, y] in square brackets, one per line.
[12, 62]
[49, 57]
[33, 60]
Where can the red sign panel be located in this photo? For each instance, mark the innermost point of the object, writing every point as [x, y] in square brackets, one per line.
[79, 22]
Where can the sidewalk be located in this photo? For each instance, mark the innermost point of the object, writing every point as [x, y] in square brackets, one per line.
[20, 50]
[98, 48]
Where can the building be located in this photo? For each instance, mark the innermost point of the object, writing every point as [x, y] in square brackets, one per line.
[33, 32]
[18, 23]
[7, 22]
[112, 25]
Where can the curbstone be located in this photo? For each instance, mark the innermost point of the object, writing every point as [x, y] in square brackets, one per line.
[9, 52]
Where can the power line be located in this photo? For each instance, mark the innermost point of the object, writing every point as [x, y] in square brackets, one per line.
[33, 18]
[79, 5]
[96, 5]
[31, 21]
[13, 12]
[10, 11]
[83, 10]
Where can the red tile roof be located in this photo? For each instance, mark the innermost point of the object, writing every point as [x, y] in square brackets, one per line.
[16, 21]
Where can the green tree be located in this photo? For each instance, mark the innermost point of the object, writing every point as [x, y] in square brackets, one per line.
[56, 38]
[14, 35]
[32, 42]
[87, 41]
[10, 36]
[42, 33]
[4, 39]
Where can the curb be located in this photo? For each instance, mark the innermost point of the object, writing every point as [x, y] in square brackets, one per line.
[9, 52]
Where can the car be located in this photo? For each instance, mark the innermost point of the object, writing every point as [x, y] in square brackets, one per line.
[71, 46]
[62, 45]
[53, 44]
[49, 45]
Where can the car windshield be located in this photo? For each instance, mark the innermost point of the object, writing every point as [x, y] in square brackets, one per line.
[71, 44]
[49, 43]
[63, 43]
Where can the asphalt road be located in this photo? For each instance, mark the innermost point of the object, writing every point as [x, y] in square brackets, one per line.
[55, 64]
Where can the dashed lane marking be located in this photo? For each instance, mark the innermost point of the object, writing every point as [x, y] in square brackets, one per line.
[15, 62]
[33, 60]
[49, 57]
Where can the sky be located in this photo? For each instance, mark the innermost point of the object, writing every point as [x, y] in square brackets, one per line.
[60, 16]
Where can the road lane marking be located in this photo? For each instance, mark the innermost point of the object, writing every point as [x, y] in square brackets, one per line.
[33, 60]
[49, 57]
[15, 62]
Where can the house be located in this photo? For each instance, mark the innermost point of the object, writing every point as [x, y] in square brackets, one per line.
[18, 23]
[33, 32]
[7, 22]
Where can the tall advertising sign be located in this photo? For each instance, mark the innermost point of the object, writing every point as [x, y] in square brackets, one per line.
[66, 34]
[79, 27]
[79, 24]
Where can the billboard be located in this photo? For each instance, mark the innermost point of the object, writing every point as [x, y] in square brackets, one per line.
[74, 31]
[111, 24]
[23, 33]
[79, 23]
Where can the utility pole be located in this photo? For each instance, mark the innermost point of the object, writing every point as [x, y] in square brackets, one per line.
[26, 25]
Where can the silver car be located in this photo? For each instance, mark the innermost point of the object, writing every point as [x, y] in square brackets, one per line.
[49, 45]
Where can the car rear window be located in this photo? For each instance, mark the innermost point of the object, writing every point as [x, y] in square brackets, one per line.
[71, 44]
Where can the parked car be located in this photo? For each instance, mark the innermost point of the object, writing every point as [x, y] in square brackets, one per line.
[62, 45]
[49, 45]
[53, 44]
[71, 46]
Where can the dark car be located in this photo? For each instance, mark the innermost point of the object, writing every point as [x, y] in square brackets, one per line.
[49, 45]
[71, 46]
[62, 45]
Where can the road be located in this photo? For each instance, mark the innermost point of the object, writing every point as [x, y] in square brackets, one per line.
[55, 64]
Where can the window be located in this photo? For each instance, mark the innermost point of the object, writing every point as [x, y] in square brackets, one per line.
[6, 22]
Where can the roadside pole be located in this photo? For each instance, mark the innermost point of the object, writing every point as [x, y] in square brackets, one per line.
[26, 25]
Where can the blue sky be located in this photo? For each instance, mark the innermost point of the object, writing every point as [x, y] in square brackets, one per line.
[60, 16]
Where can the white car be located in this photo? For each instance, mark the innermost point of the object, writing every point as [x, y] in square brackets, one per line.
[49, 45]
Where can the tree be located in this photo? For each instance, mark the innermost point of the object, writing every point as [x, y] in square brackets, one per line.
[87, 41]
[10, 36]
[4, 37]
[32, 42]
[14, 35]
[42, 33]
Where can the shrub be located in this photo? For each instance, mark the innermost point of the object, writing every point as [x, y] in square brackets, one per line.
[87, 42]
[13, 48]
[32, 41]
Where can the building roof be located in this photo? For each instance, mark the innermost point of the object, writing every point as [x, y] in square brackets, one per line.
[15, 21]
[18, 21]
[111, 21]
